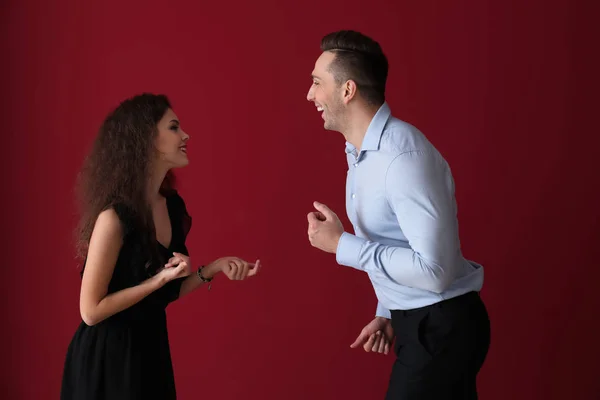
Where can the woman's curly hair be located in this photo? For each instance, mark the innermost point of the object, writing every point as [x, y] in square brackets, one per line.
[117, 170]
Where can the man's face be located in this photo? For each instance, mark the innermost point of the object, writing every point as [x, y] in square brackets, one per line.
[327, 94]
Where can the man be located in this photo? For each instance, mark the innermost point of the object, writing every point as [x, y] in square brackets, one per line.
[400, 200]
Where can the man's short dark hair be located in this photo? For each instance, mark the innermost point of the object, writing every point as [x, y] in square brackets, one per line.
[358, 58]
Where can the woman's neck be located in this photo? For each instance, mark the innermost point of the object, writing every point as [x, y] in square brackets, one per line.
[154, 185]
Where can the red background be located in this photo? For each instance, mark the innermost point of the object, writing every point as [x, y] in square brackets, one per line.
[503, 89]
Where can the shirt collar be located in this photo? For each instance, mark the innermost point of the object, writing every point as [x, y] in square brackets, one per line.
[374, 131]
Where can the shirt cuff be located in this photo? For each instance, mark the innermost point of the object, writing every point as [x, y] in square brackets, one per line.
[348, 250]
[383, 312]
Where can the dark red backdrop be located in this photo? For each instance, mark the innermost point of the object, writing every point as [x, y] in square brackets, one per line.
[497, 86]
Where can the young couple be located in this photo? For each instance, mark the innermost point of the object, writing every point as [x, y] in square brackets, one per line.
[399, 198]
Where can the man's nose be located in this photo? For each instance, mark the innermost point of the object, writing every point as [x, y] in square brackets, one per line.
[309, 95]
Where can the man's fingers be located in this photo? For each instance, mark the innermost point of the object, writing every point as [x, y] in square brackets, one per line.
[382, 343]
[359, 340]
[376, 339]
[312, 217]
[368, 346]
[376, 342]
[325, 212]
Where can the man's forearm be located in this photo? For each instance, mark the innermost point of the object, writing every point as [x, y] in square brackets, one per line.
[402, 265]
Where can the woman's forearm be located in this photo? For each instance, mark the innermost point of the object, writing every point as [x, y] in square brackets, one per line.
[193, 281]
[119, 301]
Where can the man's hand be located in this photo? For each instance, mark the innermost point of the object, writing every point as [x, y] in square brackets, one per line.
[324, 228]
[377, 336]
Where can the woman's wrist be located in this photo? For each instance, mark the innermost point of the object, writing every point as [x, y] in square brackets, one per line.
[157, 281]
[210, 270]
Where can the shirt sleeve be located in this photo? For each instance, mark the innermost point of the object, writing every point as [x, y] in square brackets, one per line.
[382, 311]
[420, 190]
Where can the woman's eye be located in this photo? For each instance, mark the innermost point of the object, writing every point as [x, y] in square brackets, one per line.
[174, 128]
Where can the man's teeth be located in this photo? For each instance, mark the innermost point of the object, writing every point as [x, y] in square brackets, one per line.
[319, 108]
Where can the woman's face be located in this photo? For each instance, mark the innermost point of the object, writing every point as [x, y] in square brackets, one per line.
[171, 142]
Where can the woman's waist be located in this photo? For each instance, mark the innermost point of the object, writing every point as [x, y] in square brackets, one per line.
[141, 313]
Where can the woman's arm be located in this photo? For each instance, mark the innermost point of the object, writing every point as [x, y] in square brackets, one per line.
[105, 244]
[192, 283]
[233, 267]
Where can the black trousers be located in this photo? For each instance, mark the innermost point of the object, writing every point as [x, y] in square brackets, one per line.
[439, 350]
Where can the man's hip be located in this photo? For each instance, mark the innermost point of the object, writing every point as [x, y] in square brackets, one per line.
[439, 349]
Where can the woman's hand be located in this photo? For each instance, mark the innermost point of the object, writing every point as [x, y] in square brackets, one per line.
[237, 269]
[234, 268]
[178, 266]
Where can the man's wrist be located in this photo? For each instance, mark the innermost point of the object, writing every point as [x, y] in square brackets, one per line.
[337, 242]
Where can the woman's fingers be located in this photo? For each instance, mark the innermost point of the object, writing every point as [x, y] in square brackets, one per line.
[254, 268]
[239, 269]
[173, 261]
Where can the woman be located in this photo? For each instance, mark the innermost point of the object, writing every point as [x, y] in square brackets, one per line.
[132, 235]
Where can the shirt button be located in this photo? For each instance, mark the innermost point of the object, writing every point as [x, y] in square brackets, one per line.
[356, 165]
[353, 195]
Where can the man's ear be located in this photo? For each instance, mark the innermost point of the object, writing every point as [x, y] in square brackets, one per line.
[349, 91]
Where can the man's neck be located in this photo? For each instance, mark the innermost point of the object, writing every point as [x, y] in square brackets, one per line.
[357, 125]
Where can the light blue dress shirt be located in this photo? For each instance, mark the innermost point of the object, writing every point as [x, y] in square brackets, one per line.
[400, 201]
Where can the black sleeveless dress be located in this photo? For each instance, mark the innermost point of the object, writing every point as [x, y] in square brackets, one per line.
[127, 356]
